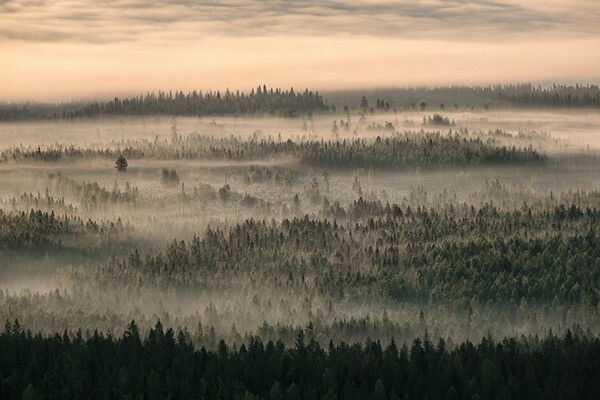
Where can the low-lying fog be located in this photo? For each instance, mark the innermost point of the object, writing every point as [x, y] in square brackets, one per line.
[578, 127]
[48, 291]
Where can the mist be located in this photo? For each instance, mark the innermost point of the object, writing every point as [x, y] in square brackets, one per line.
[68, 168]
[295, 200]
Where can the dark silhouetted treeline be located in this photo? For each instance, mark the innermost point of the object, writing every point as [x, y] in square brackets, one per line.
[471, 97]
[164, 364]
[262, 101]
[288, 103]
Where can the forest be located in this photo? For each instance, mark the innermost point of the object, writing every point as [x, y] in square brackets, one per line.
[164, 364]
[260, 101]
[400, 151]
[163, 246]
[300, 200]
[492, 97]
[288, 103]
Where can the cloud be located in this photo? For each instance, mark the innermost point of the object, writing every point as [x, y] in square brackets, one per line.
[73, 48]
[171, 21]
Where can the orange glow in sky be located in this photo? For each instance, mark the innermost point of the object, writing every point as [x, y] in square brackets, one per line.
[60, 50]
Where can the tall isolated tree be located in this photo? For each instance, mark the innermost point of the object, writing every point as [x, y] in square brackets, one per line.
[121, 163]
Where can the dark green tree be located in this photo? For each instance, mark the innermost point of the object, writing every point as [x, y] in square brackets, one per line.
[121, 163]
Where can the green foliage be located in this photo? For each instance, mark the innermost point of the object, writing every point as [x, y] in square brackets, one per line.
[392, 252]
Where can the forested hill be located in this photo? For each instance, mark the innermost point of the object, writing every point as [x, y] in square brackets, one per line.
[260, 101]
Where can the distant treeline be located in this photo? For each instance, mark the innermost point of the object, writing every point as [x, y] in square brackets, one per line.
[466, 97]
[403, 150]
[527, 95]
[262, 101]
[164, 364]
[269, 101]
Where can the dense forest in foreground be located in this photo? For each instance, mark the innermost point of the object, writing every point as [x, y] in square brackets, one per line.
[163, 364]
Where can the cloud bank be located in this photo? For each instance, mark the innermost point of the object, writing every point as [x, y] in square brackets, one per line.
[133, 20]
[86, 48]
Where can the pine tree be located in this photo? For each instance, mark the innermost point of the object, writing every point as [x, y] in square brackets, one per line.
[121, 163]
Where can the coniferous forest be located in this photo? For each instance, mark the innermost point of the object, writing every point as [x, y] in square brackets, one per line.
[438, 243]
[260, 101]
[288, 103]
[300, 200]
[163, 364]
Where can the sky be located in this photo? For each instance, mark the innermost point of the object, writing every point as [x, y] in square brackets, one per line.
[63, 50]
